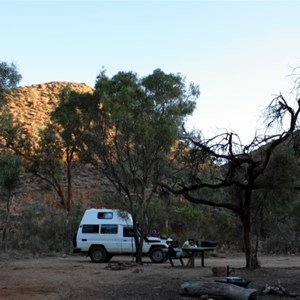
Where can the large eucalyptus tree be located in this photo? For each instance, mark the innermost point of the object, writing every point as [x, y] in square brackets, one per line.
[134, 124]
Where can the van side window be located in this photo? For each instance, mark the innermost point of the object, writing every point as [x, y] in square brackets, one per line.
[109, 229]
[105, 215]
[90, 228]
[128, 232]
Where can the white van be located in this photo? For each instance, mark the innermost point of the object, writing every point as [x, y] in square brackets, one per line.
[104, 233]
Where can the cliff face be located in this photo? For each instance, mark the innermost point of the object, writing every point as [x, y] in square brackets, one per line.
[32, 106]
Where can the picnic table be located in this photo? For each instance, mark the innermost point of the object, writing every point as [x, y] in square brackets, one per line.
[192, 252]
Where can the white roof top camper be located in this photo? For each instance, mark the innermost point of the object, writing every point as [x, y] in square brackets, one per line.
[108, 216]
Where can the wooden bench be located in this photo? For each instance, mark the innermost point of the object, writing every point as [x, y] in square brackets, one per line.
[171, 258]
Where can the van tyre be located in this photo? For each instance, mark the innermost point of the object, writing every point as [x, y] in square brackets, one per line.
[98, 255]
[157, 255]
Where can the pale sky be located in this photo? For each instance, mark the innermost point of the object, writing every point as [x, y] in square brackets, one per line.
[239, 52]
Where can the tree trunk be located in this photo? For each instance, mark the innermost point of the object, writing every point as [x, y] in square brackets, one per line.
[250, 252]
[69, 153]
[69, 192]
[5, 227]
[139, 252]
[247, 240]
[137, 240]
[230, 291]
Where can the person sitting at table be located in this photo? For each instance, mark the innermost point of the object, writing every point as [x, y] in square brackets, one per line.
[171, 252]
[189, 243]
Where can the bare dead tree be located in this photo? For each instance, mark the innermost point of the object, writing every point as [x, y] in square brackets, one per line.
[235, 166]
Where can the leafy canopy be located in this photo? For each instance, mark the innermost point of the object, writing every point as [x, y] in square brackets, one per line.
[148, 112]
[9, 77]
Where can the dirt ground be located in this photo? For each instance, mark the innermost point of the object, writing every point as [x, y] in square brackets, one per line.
[76, 277]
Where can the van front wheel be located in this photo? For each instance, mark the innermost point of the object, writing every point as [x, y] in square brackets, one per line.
[98, 255]
[157, 255]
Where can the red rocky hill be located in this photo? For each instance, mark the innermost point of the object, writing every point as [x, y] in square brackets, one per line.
[32, 106]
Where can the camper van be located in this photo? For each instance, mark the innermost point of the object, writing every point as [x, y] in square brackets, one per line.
[104, 233]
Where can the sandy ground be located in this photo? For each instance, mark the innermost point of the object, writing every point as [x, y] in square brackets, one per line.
[76, 277]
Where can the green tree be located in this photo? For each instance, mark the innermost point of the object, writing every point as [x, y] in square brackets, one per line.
[50, 156]
[136, 123]
[9, 78]
[56, 154]
[43, 156]
[46, 160]
[10, 169]
[69, 125]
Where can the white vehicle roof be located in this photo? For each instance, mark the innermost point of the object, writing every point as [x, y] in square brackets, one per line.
[107, 216]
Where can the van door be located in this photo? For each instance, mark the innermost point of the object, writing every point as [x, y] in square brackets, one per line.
[87, 235]
[111, 237]
[128, 244]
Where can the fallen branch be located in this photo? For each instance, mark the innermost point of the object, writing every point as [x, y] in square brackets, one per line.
[230, 291]
[277, 289]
